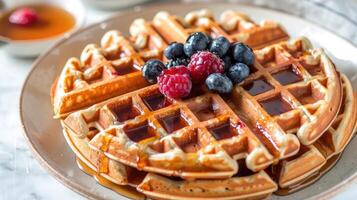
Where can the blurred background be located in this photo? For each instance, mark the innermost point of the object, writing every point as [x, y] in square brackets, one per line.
[21, 177]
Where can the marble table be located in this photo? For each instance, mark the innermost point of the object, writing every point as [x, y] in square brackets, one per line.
[21, 176]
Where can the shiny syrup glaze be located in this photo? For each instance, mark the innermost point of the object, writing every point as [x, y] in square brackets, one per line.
[52, 21]
[311, 179]
[139, 132]
[173, 123]
[124, 113]
[126, 191]
[260, 131]
[257, 87]
[275, 106]
[287, 76]
[224, 131]
[243, 169]
[156, 101]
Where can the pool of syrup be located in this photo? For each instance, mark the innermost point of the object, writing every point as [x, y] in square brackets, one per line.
[173, 123]
[276, 105]
[224, 131]
[124, 113]
[140, 132]
[287, 76]
[52, 21]
[156, 101]
[257, 87]
[126, 191]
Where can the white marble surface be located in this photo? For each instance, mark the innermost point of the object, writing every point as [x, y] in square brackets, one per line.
[21, 177]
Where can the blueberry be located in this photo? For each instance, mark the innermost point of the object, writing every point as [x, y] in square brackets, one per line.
[195, 42]
[210, 39]
[152, 69]
[174, 50]
[219, 46]
[238, 72]
[227, 62]
[242, 53]
[177, 62]
[219, 83]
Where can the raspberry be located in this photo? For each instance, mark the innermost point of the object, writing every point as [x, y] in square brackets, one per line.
[175, 82]
[24, 16]
[204, 63]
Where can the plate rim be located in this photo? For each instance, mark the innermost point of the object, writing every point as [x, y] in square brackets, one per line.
[329, 193]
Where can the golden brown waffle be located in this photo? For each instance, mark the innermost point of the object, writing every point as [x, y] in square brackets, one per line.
[112, 69]
[245, 184]
[297, 86]
[256, 139]
[255, 186]
[203, 136]
[233, 25]
[291, 172]
[106, 71]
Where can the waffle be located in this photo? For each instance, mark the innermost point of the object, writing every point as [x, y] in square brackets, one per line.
[292, 109]
[291, 172]
[244, 184]
[109, 70]
[233, 25]
[188, 138]
[105, 71]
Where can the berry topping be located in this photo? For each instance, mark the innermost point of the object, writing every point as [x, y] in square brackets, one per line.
[219, 46]
[242, 53]
[210, 39]
[177, 62]
[195, 42]
[152, 70]
[227, 62]
[174, 50]
[219, 83]
[24, 16]
[238, 72]
[175, 82]
[204, 63]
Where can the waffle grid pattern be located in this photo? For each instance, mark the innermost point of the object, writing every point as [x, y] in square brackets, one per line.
[267, 119]
[119, 58]
[145, 142]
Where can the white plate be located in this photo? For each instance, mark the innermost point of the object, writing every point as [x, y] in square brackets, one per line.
[44, 133]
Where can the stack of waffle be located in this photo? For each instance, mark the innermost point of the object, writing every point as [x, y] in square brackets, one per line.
[278, 131]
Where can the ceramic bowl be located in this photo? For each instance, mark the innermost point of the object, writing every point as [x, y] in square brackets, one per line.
[32, 48]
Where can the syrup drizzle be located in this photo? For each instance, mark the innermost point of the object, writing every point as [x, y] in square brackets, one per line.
[139, 133]
[156, 102]
[173, 123]
[124, 113]
[287, 76]
[257, 87]
[126, 191]
[315, 177]
[275, 106]
[223, 131]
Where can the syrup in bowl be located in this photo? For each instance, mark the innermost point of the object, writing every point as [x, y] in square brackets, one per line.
[52, 21]
[26, 30]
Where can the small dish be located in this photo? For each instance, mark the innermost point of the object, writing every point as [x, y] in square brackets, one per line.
[33, 47]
